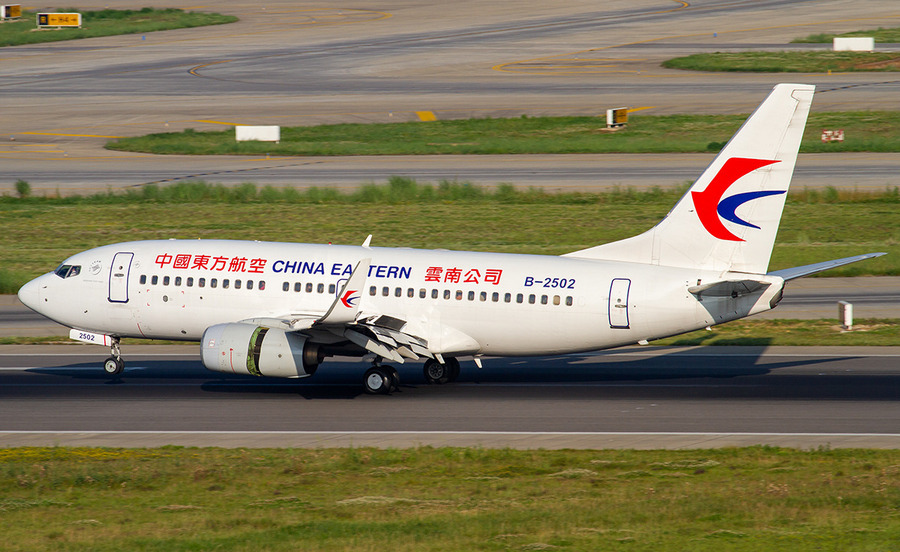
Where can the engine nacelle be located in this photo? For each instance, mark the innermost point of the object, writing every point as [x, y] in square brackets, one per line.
[258, 351]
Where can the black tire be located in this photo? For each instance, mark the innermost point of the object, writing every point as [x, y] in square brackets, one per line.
[113, 366]
[378, 381]
[395, 377]
[436, 373]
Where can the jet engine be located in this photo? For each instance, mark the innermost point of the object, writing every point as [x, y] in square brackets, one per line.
[258, 351]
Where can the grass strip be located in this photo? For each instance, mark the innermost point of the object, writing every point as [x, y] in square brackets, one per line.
[866, 332]
[107, 22]
[40, 232]
[881, 34]
[788, 62]
[864, 131]
[806, 333]
[422, 499]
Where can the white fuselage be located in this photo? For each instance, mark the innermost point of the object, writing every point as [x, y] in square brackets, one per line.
[459, 302]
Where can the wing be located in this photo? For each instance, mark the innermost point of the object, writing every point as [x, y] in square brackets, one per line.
[380, 334]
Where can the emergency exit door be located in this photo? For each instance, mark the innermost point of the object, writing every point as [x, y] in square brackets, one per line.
[618, 303]
[118, 277]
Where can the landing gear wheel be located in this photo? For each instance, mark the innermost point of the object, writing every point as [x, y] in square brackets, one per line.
[395, 377]
[114, 366]
[378, 381]
[437, 373]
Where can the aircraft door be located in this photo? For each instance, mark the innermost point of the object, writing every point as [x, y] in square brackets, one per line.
[118, 277]
[618, 303]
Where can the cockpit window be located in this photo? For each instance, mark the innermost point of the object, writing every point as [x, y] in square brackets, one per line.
[67, 271]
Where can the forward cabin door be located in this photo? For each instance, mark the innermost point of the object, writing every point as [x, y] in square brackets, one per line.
[618, 303]
[118, 277]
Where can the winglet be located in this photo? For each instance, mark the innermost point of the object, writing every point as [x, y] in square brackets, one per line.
[368, 241]
[346, 303]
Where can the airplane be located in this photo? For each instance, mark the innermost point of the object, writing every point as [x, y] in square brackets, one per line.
[280, 309]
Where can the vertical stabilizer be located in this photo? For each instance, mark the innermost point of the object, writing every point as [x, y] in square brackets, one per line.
[729, 217]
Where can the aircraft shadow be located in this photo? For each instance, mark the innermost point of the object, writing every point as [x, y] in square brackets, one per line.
[341, 378]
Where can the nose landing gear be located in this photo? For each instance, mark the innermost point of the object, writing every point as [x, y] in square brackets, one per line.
[114, 365]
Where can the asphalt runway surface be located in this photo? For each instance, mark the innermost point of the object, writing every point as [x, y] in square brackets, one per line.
[634, 398]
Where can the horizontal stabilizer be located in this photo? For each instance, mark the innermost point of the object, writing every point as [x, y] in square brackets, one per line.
[806, 270]
[728, 288]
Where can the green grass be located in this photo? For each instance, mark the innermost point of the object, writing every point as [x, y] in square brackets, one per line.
[788, 62]
[40, 232]
[107, 22]
[423, 499]
[880, 35]
[864, 131]
[866, 332]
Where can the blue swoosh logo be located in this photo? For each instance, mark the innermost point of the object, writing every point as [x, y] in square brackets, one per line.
[729, 205]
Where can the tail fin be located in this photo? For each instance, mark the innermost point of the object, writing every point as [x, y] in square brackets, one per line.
[729, 217]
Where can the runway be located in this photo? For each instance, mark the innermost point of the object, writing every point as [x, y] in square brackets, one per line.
[632, 398]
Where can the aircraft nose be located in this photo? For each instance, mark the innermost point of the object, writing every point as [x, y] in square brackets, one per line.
[30, 294]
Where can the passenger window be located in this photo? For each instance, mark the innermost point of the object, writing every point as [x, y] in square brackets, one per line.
[225, 283]
[166, 280]
[154, 280]
[471, 296]
[483, 296]
[531, 299]
[459, 295]
[543, 299]
[309, 287]
[519, 298]
[373, 290]
[410, 292]
[286, 286]
[446, 294]
[249, 284]
[569, 301]
[201, 282]
[177, 280]
[434, 294]
[320, 288]
[556, 299]
[495, 297]
[507, 297]
[385, 291]
[331, 289]
[143, 279]
[190, 282]
[422, 293]
[298, 287]
[213, 282]
[262, 285]
[398, 292]
[237, 284]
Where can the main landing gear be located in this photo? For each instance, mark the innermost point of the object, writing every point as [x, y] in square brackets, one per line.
[381, 380]
[114, 365]
[437, 373]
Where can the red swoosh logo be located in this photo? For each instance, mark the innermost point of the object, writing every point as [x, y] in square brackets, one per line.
[347, 300]
[707, 201]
